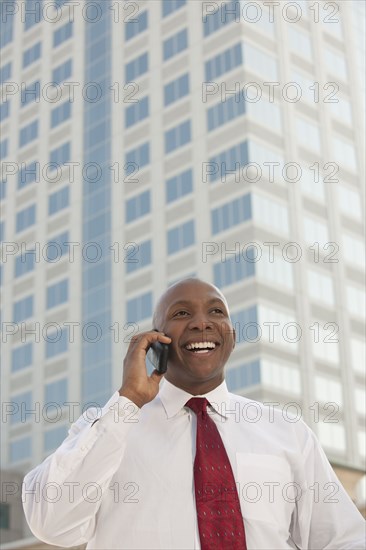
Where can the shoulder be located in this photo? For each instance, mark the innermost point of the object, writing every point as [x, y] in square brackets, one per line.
[283, 420]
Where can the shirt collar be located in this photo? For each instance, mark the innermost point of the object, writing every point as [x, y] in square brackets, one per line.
[174, 398]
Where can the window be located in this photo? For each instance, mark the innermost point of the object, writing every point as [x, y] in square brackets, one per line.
[180, 237]
[54, 437]
[327, 390]
[137, 206]
[342, 110]
[356, 298]
[169, 6]
[175, 44]
[56, 392]
[274, 269]
[227, 13]
[2, 190]
[58, 200]
[260, 62]
[262, 155]
[30, 93]
[20, 449]
[139, 257]
[245, 323]
[179, 186]
[23, 309]
[225, 111]
[137, 158]
[22, 357]
[176, 89]
[32, 13]
[241, 377]
[345, 154]
[28, 173]
[354, 251]
[336, 63]
[266, 113]
[305, 83]
[178, 136]
[56, 247]
[137, 112]
[139, 308]
[136, 26]
[3, 149]
[309, 185]
[315, 231]
[231, 213]
[281, 377]
[224, 62]
[137, 67]
[270, 213]
[5, 72]
[62, 34]
[278, 328]
[23, 405]
[25, 263]
[227, 161]
[6, 34]
[361, 436]
[4, 110]
[57, 294]
[32, 54]
[320, 287]
[28, 133]
[349, 202]
[60, 114]
[62, 72]
[234, 269]
[60, 155]
[300, 42]
[308, 134]
[324, 343]
[56, 343]
[332, 436]
[25, 218]
[4, 515]
[360, 400]
[358, 352]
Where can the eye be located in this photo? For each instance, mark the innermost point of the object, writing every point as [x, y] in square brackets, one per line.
[217, 309]
[179, 313]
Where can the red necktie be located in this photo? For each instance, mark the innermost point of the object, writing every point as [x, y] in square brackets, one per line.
[220, 521]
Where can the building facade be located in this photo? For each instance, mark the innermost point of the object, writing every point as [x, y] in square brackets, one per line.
[146, 141]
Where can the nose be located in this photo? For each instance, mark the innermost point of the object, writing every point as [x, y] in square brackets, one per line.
[200, 321]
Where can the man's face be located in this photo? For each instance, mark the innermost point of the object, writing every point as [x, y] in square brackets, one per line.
[195, 314]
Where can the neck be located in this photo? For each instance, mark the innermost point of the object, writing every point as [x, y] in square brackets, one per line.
[200, 388]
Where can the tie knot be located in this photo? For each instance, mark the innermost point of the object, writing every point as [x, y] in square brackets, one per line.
[198, 404]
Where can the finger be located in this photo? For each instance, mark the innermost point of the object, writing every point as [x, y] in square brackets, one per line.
[156, 376]
[148, 338]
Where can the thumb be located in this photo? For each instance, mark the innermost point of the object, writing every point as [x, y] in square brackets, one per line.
[156, 376]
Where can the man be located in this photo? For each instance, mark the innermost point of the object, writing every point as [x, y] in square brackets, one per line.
[128, 478]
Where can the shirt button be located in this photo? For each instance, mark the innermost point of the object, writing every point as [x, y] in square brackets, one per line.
[83, 448]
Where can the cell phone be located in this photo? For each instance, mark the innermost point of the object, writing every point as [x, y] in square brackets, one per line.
[158, 356]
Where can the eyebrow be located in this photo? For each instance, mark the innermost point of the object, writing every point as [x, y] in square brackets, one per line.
[188, 303]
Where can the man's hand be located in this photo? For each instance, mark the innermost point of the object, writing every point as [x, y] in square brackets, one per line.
[136, 384]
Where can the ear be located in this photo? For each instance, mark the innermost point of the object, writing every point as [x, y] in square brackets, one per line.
[234, 337]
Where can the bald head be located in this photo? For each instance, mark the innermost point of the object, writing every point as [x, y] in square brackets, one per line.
[191, 284]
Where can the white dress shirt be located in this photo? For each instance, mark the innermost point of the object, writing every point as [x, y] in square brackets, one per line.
[126, 481]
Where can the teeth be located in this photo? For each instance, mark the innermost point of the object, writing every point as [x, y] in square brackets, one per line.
[201, 345]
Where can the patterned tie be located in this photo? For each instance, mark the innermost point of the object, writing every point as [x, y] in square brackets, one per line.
[220, 521]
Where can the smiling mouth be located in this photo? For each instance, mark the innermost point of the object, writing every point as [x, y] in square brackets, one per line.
[201, 348]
